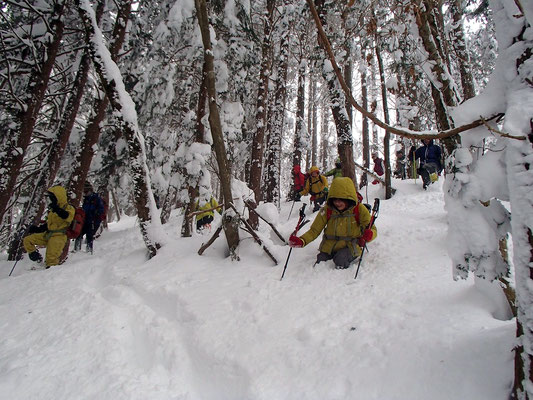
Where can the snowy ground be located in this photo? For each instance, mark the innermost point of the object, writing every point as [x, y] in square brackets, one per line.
[182, 326]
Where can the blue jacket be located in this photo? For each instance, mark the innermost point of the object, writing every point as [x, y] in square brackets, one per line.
[93, 207]
[429, 154]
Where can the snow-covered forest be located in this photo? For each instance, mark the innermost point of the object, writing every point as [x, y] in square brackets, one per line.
[163, 104]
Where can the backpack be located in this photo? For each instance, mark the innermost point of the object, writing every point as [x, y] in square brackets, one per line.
[74, 230]
[329, 211]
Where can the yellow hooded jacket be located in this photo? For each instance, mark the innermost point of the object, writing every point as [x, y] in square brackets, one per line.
[210, 204]
[54, 222]
[313, 185]
[341, 229]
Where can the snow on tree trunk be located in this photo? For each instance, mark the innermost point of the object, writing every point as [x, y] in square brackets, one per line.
[126, 115]
[17, 135]
[477, 218]
[229, 222]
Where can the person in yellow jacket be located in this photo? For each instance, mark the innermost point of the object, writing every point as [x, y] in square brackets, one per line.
[344, 221]
[203, 220]
[316, 185]
[53, 233]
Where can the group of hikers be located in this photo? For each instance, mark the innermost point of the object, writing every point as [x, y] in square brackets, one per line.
[345, 219]
[52, 233]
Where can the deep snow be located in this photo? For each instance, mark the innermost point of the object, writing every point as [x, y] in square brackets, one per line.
[182, 326]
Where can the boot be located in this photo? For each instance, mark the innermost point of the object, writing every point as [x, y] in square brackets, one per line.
[77, 244]
[35, 256]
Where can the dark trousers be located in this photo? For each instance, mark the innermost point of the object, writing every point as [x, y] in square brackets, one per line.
[342, 258]
[89, 229]
[203, 221]
[425, 170]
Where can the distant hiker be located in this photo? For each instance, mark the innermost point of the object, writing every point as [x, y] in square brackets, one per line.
[430, 165]
[317, 186]
[344, 220]
[401, 165]
[94, 209]
[52, 233]
[298, 183]
[379, 169]
[204, 219]
[337, 171]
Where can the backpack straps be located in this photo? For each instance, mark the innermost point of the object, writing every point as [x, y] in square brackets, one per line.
[329, 213]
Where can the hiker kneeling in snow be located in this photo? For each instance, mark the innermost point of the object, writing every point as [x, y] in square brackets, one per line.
[51, 234]
[344, 220]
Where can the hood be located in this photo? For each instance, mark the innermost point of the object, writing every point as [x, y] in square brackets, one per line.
[296, 168]
[60, 193]
[313, 169]
[342, 188]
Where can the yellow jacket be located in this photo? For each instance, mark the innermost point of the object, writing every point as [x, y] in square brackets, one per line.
[54, 222]
[315, 185]
[210, 204]
[341, 229]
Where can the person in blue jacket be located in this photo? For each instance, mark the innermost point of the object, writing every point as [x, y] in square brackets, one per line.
[430, 161]
[93, 206]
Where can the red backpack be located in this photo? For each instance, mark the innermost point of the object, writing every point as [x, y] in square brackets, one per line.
[74, 230]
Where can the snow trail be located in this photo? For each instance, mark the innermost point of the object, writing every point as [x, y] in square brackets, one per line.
[180, 326]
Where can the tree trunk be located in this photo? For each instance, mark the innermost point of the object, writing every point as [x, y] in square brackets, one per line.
[441, 86]
[256, 167]
[276, 124]
[366, 127]
[458, 41]
[93, 129]
[229, 223]
[127, 117]
[312, 119]
[300, 113]
[386, 139]
[338, 110]
[33, 207]
[16, 138]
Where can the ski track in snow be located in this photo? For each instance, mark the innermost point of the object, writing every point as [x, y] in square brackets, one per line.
[181, 326]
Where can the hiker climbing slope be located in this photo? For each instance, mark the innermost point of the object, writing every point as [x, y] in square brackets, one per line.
[344, 221]
[51, 234]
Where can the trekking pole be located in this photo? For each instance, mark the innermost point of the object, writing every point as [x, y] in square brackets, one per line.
[294, 201]
[375, 212]
[17, 255]
[301, 222]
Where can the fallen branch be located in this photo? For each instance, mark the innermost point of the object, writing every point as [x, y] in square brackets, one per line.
[210, 241]
[248, 203]
[367, 171]
[203, 211]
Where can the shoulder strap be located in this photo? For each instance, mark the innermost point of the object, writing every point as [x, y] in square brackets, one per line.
[329, 212]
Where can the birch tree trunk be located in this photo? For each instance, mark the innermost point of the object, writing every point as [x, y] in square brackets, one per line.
[300, 114]
[229, 223]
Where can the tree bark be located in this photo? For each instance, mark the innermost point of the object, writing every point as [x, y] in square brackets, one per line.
[127, 117]
[17, 138]
[230, 223]
[256, 167]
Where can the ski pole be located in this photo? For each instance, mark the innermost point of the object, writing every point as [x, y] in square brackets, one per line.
[17, 255]
[375, 211]
[289, 217]
[301, 222]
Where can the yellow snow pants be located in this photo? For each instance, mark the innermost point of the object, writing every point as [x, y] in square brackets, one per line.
[54, 243]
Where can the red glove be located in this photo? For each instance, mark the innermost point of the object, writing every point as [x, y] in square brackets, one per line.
[368, 235]
[361, 242]
[295, 241]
